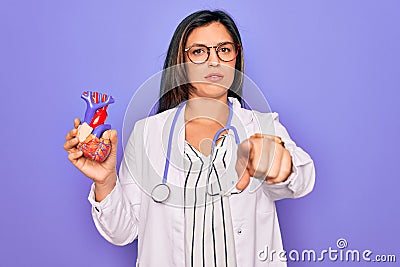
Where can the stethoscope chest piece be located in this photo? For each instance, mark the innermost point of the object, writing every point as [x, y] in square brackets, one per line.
[161, 193]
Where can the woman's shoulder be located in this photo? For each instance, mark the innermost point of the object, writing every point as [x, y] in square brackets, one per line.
[157, 118]
[248, 114]
[251, 116]
[161, 116]
[266, 115]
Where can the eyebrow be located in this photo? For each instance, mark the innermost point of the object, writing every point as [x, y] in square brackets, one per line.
[223, 42]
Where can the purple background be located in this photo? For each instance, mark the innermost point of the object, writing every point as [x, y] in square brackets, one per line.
[330, 68]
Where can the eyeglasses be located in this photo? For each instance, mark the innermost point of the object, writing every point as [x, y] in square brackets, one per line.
[199, 53]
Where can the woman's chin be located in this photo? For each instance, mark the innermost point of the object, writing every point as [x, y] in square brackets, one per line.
[211, 91]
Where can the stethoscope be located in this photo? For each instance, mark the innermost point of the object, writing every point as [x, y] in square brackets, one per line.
[162, 191]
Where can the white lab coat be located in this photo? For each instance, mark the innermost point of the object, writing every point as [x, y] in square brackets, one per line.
[129, 212]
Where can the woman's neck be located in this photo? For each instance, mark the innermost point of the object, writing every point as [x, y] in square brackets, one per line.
[207, 110]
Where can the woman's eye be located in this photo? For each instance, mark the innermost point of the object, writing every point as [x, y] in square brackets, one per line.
[225, 49]
[197, 51]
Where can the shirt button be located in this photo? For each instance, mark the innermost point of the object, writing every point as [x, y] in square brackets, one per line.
[239, 231]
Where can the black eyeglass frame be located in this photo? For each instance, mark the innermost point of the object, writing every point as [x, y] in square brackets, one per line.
[237, 46]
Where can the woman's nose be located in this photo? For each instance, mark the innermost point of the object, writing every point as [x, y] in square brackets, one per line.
[213, 60]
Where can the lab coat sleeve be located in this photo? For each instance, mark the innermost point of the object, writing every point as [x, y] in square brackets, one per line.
[117, 216]
[301, 180]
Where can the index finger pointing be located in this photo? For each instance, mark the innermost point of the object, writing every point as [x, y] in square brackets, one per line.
[243, 181]
[243, 153]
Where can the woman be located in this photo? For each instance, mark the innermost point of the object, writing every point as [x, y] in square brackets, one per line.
[189, 226]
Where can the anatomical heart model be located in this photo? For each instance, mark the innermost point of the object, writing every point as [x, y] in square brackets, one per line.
[91, 142]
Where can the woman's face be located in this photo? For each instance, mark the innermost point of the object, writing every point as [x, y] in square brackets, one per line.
[212, 78]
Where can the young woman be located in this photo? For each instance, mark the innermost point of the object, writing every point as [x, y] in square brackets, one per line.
[170, 191]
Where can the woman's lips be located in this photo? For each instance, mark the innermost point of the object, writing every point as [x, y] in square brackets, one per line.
[214, 77]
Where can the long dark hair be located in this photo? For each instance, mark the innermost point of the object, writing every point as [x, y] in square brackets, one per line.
[174, 87]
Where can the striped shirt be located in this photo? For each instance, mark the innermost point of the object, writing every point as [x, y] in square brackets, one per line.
[208, 225]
